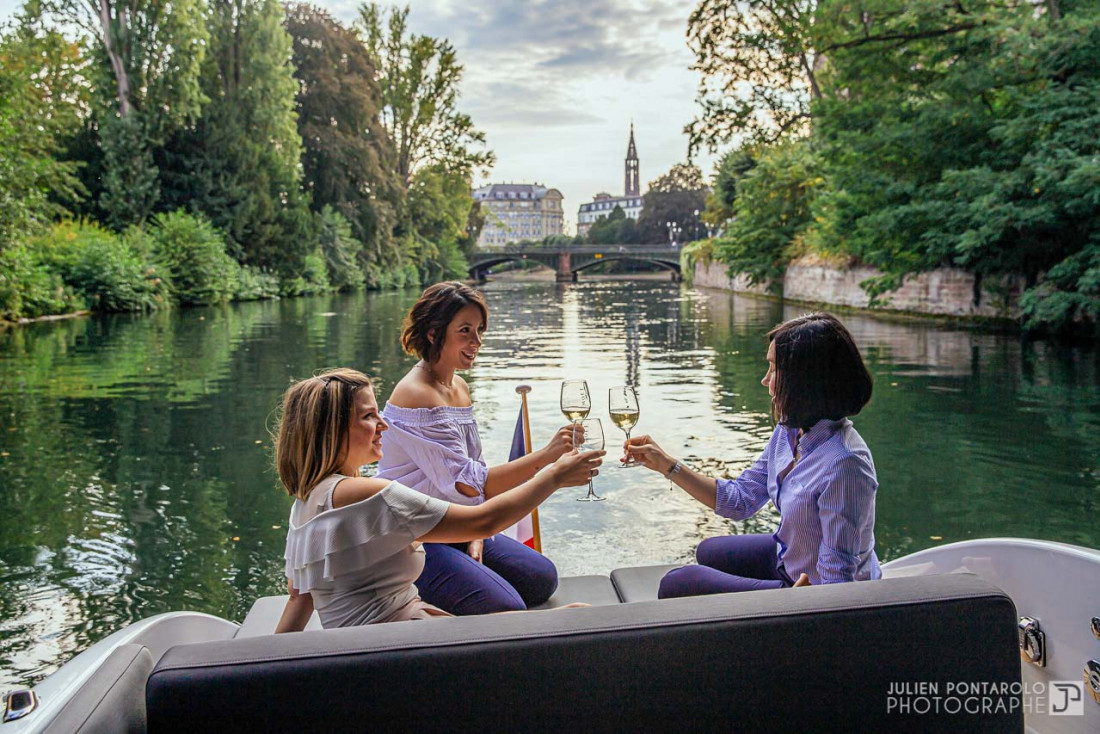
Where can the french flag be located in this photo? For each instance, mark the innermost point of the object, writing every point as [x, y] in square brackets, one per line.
[526, 531]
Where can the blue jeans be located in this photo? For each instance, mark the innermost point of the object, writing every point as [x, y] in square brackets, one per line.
[511, 577]
[731, 563]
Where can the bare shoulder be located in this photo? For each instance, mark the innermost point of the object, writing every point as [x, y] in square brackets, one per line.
[415, 392]
[463, 391]
[356, 489]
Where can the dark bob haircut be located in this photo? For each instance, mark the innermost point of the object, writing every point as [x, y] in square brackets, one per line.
[425, 328]
[820, 373]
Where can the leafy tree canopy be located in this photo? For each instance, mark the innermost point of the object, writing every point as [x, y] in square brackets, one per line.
[419, 76]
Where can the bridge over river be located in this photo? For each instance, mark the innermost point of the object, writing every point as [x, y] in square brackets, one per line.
[569, 260]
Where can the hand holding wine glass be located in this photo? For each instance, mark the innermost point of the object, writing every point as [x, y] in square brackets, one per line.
[576, 401]
[588, 436]
[622, 403]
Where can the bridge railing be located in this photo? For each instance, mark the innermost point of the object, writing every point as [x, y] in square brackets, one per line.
[579, 249]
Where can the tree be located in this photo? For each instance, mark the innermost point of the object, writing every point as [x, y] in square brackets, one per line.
[439, 207]
[247, 178]
[39, 81]
[770, 212]
[731, 169]
[614, 229]
[759, 69]
[419, 77]
[997, 106]
[347, 158]
[673, 203]
[150, 54]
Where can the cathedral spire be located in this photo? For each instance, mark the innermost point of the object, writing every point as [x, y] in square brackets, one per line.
[632, 186]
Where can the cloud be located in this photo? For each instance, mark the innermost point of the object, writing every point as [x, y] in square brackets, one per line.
[586, 37]
[518, 104]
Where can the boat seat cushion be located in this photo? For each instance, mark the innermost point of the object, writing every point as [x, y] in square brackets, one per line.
[639, 584]
[595, 590]
[112, 700]
[808, 659]
[264, 616]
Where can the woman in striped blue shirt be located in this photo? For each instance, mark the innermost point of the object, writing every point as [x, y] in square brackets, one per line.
[816, 469]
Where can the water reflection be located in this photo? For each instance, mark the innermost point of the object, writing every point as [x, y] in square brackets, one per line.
[134, 465]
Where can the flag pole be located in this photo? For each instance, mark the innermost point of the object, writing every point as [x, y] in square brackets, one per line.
[523, 390]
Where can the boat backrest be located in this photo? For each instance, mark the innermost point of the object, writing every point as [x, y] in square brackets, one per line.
[809, 659]
[112, 700]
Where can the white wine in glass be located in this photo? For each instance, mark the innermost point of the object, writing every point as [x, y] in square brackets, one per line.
[576, 403]
[588, 436]
[622, 403]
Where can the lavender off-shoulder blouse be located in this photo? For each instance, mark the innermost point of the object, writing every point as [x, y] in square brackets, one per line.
[430, 449]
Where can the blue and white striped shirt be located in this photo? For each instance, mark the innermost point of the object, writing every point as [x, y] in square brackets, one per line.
[826, 502]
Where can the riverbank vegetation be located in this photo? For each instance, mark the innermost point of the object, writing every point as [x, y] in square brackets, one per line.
[908, 135]
[204, 152]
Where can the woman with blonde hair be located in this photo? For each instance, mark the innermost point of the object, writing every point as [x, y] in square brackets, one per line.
[353, 546]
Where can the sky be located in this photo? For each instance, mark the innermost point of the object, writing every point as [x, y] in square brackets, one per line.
[555, 84]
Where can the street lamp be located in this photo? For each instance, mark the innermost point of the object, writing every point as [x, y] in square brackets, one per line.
[701, 225]
[674, 231]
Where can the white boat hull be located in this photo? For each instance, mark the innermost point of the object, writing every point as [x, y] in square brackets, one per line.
[1056, 584]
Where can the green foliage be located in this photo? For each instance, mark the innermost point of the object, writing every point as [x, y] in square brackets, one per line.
[998, 108]
[101, 267]
[419, 78]
[439, 204]
[339, 249]
[247, 178]
[731, 168]
[313, 280]
[29, 288]
[147, 58]
[614, 229]
[130, 186]
[347, 158]
[699, 251]
[758, 67]
[958, 135]
[677, 198]
[192, 253]
[254, 284]
[39, 81]
[771, 211]
[405, 276]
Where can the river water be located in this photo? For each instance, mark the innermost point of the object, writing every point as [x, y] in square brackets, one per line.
[134, 450]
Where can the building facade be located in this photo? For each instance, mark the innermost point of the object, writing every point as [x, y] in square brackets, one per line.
[603, 203]
[515, 212]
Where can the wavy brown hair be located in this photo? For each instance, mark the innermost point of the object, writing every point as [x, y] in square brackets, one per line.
[820, 372]
[311, 437]
[425, 327]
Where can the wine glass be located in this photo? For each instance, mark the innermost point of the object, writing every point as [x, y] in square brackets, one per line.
[622, 403]
[575, 400]
[588, 436]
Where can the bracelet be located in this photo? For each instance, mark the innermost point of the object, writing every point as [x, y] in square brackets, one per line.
[674, 469]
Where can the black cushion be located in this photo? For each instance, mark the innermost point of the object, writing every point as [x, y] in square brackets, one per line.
[811, 659]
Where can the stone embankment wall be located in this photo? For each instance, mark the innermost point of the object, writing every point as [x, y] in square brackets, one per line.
[941, 292]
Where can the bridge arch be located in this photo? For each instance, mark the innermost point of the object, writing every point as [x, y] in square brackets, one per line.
[667, 265]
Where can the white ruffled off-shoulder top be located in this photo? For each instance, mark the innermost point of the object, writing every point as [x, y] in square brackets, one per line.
[360, 561]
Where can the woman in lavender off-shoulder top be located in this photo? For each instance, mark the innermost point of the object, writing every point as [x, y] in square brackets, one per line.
[433, 446]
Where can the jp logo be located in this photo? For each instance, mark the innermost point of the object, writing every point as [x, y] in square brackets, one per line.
[1067, 698]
